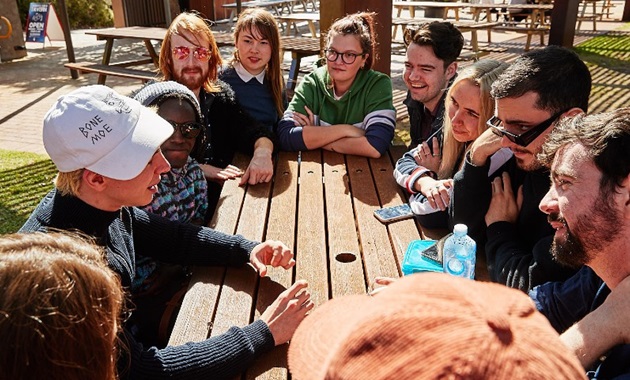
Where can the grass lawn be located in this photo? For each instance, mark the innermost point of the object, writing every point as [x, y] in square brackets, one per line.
[24, 179]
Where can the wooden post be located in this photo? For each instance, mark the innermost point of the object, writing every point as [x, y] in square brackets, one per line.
[563, 19]
[626, 11]
[331, 10]
[206, 8]
[65, 25]
[119, 13]
[13, 47]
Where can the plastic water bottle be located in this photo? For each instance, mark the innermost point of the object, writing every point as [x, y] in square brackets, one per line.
[459, 255]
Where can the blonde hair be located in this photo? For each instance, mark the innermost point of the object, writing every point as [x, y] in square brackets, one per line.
[60, 308]
[195, 25]
[265, 23]
[482, 74]
[69, 183]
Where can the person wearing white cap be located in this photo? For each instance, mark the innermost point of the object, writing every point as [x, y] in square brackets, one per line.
[107, 149]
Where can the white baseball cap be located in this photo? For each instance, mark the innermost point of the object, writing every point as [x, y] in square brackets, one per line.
[98, 129]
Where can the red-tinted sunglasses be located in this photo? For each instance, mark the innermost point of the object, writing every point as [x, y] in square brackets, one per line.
[200, 53]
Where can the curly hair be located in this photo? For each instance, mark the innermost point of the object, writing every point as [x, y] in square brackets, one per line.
[606, 137]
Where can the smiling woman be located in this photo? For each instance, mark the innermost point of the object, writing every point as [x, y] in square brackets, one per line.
[254, 72]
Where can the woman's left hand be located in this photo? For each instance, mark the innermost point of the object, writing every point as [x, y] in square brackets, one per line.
[303, 120]
[259, 170]
[427, 157]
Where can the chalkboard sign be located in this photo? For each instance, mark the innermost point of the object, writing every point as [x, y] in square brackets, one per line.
[43, 22]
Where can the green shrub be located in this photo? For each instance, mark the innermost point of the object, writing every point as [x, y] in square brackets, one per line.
[82, 13]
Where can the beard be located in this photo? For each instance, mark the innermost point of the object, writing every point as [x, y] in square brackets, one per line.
[191, 80]
[530, 166]
[589, 236]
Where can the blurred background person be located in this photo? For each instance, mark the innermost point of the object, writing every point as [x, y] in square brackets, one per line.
[60, 308]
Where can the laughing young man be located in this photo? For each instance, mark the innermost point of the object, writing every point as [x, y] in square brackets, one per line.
[432, 49]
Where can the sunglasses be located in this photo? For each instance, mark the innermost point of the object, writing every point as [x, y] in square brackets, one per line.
[200, 53]
[188, 130]
[524, 139]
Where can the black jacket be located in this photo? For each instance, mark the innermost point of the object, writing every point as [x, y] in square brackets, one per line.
[517, 253]
[130, 230]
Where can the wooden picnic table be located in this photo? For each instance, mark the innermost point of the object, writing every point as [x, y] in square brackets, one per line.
[321, 205]
[412, 5]
[535, 24]
[292, 19]
[276, 6]
[463, 26]
[121, 68]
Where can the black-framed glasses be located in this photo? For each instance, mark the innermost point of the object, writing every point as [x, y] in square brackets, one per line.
[348, 57]
[189, 130]
[524, 139]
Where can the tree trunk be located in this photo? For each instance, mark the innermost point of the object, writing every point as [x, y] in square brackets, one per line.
[13, 47]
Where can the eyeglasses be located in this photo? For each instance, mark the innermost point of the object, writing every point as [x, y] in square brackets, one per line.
[200, 53]
[524, 139]
[348, 58]
[188, 130]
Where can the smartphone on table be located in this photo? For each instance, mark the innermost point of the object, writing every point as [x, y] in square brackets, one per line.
[394, 213]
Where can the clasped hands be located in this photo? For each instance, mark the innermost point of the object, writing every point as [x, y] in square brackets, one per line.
[259, 170]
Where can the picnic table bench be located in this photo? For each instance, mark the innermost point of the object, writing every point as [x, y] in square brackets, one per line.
[122, 69]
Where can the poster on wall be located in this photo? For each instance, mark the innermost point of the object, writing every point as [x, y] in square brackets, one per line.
[43, 22]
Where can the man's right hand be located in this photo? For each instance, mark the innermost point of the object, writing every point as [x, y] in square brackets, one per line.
[285, 313]
[212, 173]
[484, 146]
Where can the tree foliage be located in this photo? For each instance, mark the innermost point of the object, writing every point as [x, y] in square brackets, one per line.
[82, 13]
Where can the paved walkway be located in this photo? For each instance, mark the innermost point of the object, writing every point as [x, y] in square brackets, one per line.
[28, 87]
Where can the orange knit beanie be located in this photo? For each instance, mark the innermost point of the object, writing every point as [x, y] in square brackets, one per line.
[431, 326]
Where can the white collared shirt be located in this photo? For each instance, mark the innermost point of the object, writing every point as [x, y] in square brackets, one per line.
[246, 76]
